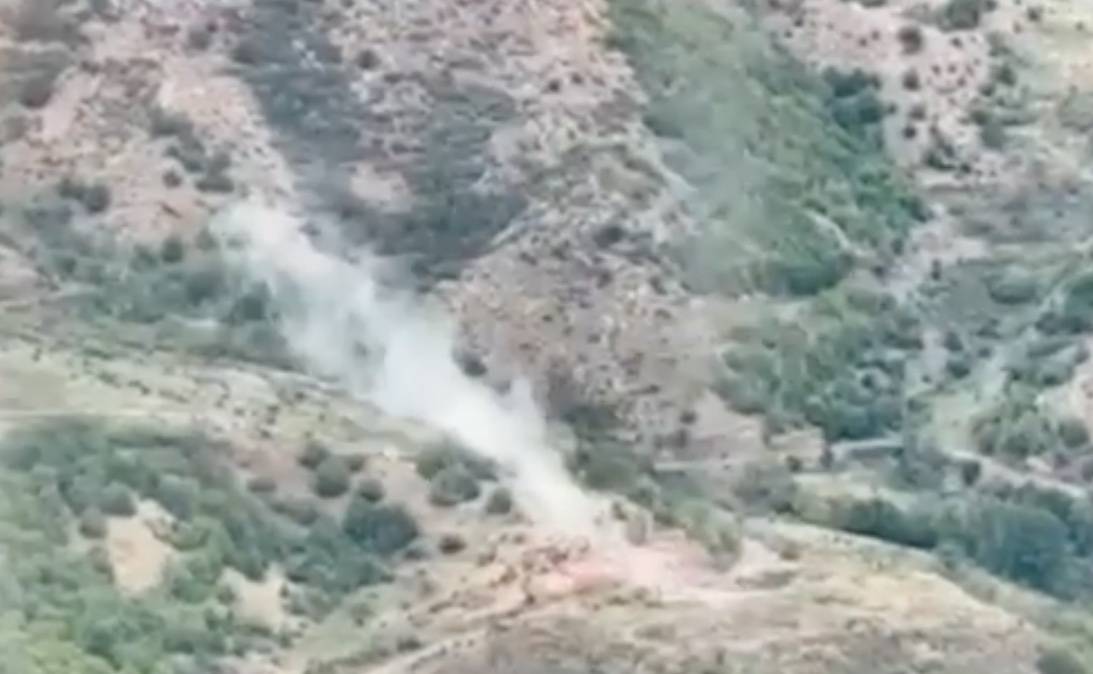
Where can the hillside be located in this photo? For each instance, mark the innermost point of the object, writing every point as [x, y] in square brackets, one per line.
[544, 336]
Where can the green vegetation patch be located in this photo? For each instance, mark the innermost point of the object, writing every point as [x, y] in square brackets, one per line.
[839, 365]
[791, 183]
[59, 608]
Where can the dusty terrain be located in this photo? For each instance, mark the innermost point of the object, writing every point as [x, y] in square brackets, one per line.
[498, 153]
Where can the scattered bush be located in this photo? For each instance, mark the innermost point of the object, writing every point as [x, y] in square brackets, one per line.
[499, 502]
[451, 543]
[911, 81]
[92, 524]
[262, 485]
[911, 38]
[331, 477]
[963, 14]
[370, 489]
[1073, 432]
[173, 250]
[300, 511]
[453, 485]
[382, 529]
[116, 500]
[37, 90]
[355, 462]
[314, 453]
[1012, 287]
[447, 454]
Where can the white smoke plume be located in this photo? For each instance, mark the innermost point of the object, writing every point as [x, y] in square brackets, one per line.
[396, 352]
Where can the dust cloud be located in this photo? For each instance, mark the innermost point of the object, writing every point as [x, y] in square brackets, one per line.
[395, 351]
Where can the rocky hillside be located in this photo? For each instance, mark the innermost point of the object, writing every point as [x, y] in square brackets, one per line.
[799, 287]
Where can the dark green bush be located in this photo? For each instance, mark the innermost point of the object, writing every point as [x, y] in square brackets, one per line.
[453, 485]
[1025, 543]
[382, 529]
[881, 519]
[37, 91]
[963, 14]
[92, 523]
[370, 489]
[173, 250]
[1016, 428]
[331, 477]
[262, 484]
[314, 453]
[448, 453]
[1073, 432]
[117, 500]
[451, 543]
[499, 502]
[300, 511]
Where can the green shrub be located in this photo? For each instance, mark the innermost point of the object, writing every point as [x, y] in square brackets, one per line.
[262, 484]
[1073, 432]
[962, 14]
[451, 543]
[178, 496]
[911, 38]
[499, 502]
[1015, 429]
[331, 477]
[92, 524]
[382, 529]
[447, 454]
[370, 489]
[117, 500]
[1025, 543]
[300, 511]
[173, 250]
[769, 487]
[355, 462]
[879, 518]
[1059, 660]
[314, 453]
[453, 485]
[37, 90]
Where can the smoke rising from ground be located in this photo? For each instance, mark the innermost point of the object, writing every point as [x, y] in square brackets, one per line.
[396, 352]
